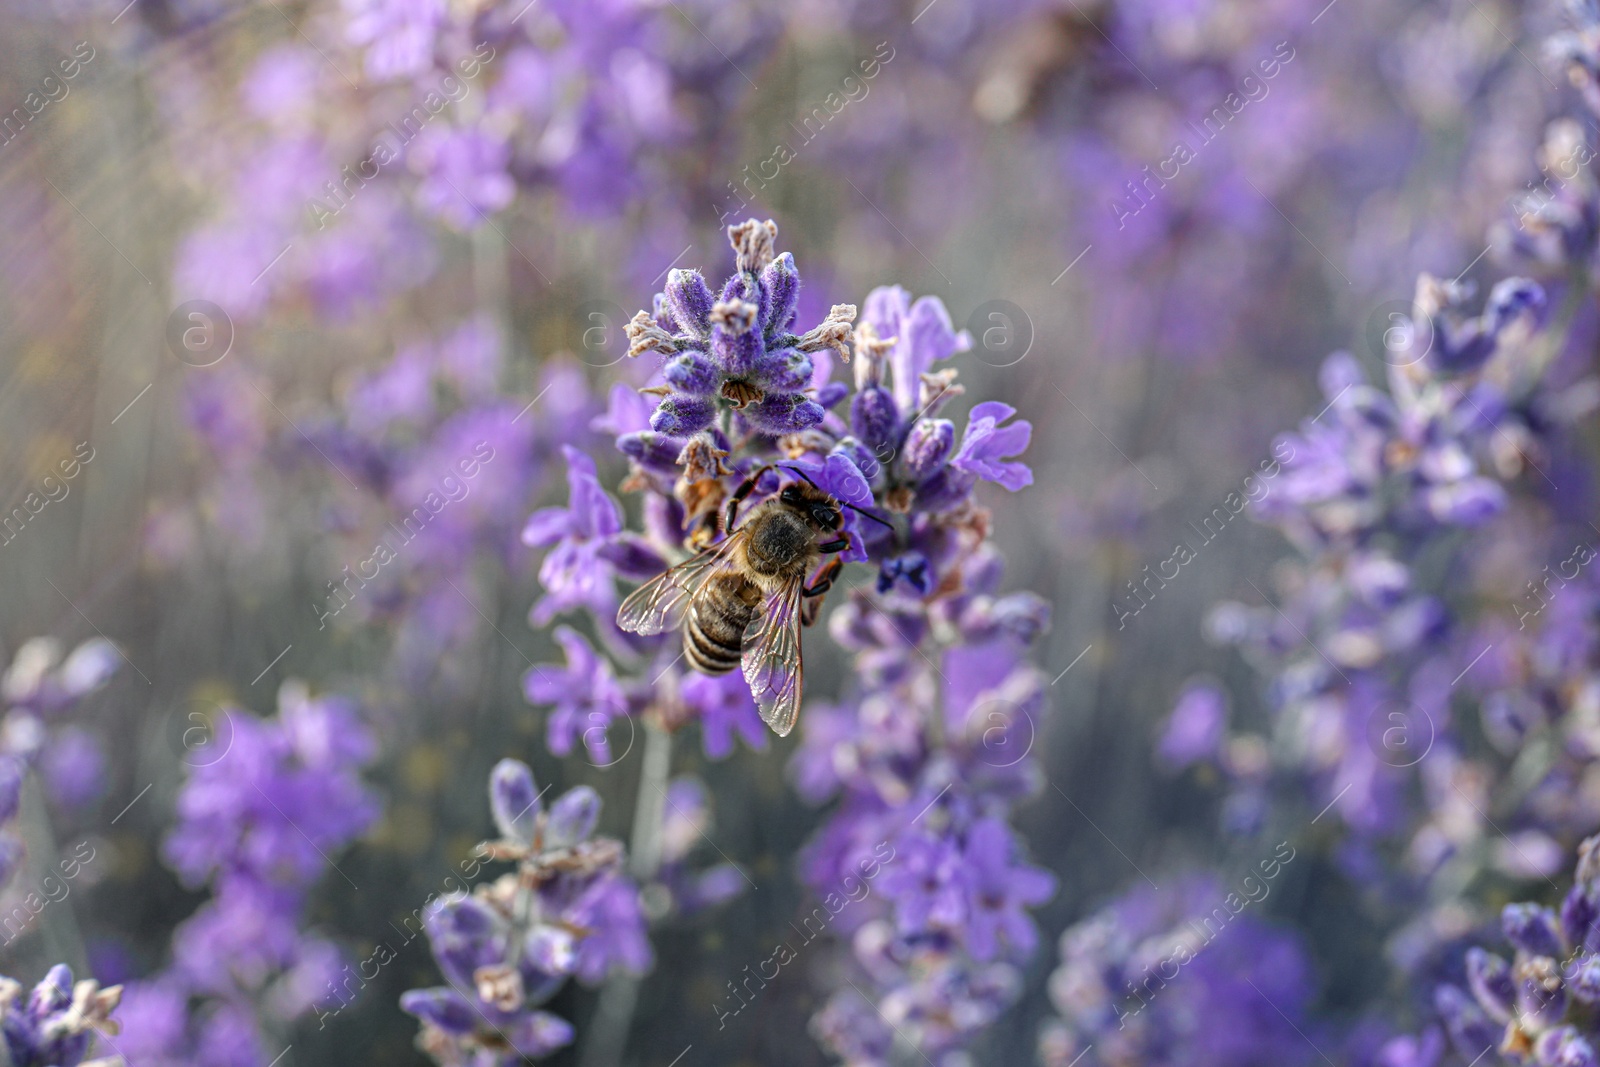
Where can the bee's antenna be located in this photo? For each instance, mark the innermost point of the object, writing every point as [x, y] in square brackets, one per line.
[862, 511]
[852, 507]
[798, 471]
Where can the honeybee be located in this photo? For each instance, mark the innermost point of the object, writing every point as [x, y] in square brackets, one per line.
[741, 601]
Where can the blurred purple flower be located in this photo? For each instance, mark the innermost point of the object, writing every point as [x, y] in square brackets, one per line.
[575, 572]
[586, 696]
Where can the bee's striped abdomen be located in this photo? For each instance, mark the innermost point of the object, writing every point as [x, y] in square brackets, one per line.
[713, 635]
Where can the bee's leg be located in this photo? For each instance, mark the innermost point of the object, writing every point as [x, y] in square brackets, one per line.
[839, 544]
[824, 580]
[746, 487]
[811, 606]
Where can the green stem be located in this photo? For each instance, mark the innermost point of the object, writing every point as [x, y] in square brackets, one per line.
[613, 1016]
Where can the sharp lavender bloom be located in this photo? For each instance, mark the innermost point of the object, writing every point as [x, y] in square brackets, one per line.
[737, 351]
[507, 948]
[931, 748]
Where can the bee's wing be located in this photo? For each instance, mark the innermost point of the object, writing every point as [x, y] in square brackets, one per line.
[660, 604]
[771, 658]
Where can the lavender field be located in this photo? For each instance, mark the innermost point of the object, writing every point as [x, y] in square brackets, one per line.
[706, 533]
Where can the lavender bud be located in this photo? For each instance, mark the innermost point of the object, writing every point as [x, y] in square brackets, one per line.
[1510, 299]
[1469, 1027]
[441, 1008]
[1489, 978]
[514, 800]
[1541, 996]
[552, 949]
[780, 294]
[12, 770]
[692, 373]
[874, 420]
[1532, 928]
[11, 853]
[1339, 372]
[661, 311]
[1507, 720]
[928, 447]
[573, 817]
[1381, 581]
[52, 993]
[831, 393]
[633, 557]
[681, 415]
[1564, 1047]
[857, 453]
[465, 934]
[1022, 615]
[787, 370]
[690, 300]
[783, 413]
[1468, 502]
[1580, 918]
[736, 347]
[1587, 873]
[539, 1033]
[1583, 979]
[89, 666]
[982, 571]
[653, 451]
[912, 568]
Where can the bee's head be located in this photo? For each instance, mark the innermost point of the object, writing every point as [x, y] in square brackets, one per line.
[812, 502]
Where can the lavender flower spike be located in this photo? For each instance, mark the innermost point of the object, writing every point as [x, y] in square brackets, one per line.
[736, 354]
[510, 946]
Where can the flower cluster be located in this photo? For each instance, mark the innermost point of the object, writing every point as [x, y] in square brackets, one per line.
[1422, 690]
[420, 470]
[931, 749]
[55, 1025]
[737, 350]
[927, 756]
[267, 803]
[1179, 976]
[1538, 1007]
[567, 911]
[1375, 495]
[38, 688]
